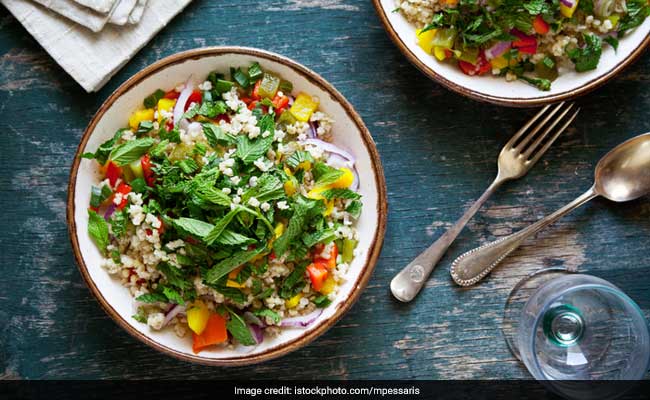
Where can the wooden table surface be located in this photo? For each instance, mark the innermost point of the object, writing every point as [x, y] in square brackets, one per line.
[438, 150]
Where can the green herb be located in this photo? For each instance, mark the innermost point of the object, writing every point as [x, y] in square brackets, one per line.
[224, 267]
[637, 12]
[173, 136]
[174, 276]
[341, 193]
[325, 175]
[240, 77]
[222, 86]
[119, 223]
[152, 298]
[144, 127]
[98, 230]
[268, 313]
[354, 209]
[104, 150]
[221, 225]
[268, 187]
[194, 227]
[188, 165]
[212, 109]
[322, 301]
[587, 57]
[612, 41]
[232, 238]
[295, 282]
[322, 236]
[173, 295]
[299, 157]
[239, 330]
[542, 84]
[215, 135]
[251, 150]
[158, 150]
[152, 100]
[138, 185]
[131, 151]
[99, 195]
[140, 317]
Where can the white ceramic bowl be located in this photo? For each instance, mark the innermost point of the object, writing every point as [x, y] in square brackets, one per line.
[497, 90]
[349, 132]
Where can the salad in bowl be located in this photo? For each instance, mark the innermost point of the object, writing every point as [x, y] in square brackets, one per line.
[224, 208]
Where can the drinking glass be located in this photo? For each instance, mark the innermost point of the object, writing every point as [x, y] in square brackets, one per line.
[569, 326]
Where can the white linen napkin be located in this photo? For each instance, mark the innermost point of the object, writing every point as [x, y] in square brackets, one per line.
[120, 15]
[136, 14]
[101, 6]
[92, 58]
[82, 15]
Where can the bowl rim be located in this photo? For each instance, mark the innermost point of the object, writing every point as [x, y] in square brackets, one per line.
[375, 246]
[505, 101]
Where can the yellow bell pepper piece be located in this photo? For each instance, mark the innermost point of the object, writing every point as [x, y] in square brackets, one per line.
[166, 105]
[328, 285]
[440, 53]
[499, 62]
[303, 107]
[293, 302]
[450, 3]
[279, 230]
[139, 116]
[614, 18]
[197, 316]
[233, 274]
[289, 188]
[425, 39]
[315, 194]
[233, 284]
[568, 11]
[344, 181]
[305, 165]
[288, 171]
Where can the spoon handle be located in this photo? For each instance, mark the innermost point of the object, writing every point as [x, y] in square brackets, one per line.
[475, 264]
[410, 280]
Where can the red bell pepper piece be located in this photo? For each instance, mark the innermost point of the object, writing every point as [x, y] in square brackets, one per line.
[280, 103]
[330, 262]
[124, 189]
[215, 332]
[317, 274]
[540, 25]
[525, 43]
[256, 91]
[113, 173]
[172, 94]
[145, 161]
[222, 117]
[195, 97]
[481, 67]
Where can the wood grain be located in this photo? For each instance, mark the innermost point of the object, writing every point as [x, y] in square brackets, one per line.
[439, 153]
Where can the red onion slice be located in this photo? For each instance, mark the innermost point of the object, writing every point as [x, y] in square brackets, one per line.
[337, 161]
[313, 129]
[302, 321]
[179, 108]
[568, 3]
[330, 148]
[109, 212]
[257, 332]
[171, 314]
[497, 50]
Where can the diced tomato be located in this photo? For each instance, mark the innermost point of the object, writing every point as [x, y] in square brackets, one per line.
[317, 274]
[540, 25]
[272, 256]
[95, 209]
[215, 332]
[124, 189]
[195, 97]
[161, 230]
[481, 67]
[252, 105]
[525, 43]
[330, 262]
[169, 124]
[222, 117]
[280, 103]
[113, 173]
[191, 240]
[145, 161]
[245, 99]
[256, 90]
[448, 53]
[172, 94]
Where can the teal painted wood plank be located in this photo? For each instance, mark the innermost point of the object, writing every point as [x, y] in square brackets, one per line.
[438, 150]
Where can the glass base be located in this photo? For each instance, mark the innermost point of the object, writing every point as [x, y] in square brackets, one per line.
[565, 326]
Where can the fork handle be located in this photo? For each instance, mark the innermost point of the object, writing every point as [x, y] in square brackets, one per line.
[475, 264]
[410, 280]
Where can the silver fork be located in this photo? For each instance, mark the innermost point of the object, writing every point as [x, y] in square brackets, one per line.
[516, 158]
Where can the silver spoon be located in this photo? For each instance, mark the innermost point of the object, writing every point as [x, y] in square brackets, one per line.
[621, 175]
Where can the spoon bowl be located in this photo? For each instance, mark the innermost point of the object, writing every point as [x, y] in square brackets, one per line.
[623, 174]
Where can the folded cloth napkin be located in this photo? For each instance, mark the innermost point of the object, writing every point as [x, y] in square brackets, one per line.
[101, 6]
[137, 12]
[92, 58]
[120, 15]
[74, 11]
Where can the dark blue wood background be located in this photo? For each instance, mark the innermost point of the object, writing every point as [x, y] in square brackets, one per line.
[438, 151]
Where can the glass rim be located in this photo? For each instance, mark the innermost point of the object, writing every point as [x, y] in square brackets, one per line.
[612, 289]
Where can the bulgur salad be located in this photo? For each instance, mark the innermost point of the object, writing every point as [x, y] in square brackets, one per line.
[529, 40]
[225, 209]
